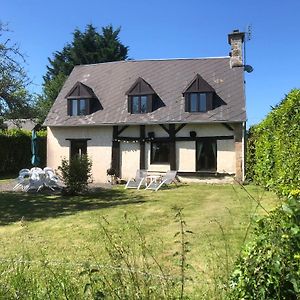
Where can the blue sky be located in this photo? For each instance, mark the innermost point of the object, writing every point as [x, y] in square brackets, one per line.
[171, 29]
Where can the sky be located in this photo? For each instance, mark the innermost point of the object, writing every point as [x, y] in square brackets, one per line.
[156, 29]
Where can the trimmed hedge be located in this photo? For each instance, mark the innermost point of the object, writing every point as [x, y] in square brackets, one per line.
[273, 159]
[15, 150]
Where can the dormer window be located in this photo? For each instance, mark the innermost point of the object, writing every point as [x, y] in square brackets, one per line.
[197, 102]
[78, 107]
[82, 100]
[139, 104]
[142, 98]
[198, 96]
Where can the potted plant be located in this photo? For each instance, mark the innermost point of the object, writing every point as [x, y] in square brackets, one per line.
[113, 177]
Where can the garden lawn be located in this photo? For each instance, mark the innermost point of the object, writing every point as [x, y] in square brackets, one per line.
[71, 229]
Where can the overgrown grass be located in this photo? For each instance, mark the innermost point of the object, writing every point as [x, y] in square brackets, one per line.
[70, 232]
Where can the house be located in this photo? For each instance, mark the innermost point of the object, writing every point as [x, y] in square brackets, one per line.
[180, 114]
[25, 124]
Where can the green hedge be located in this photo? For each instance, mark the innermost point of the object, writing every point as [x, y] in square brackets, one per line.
[15, 150]
[273, 159]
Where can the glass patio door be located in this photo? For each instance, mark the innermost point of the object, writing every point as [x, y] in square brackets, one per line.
[206, 155]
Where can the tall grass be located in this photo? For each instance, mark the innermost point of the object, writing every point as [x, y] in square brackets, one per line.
[129, 270]
[132, 266]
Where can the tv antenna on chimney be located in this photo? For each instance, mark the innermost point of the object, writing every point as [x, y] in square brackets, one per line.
[248, 37]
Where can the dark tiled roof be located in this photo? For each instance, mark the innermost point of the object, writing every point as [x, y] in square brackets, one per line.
[169, 78]
[25, 124]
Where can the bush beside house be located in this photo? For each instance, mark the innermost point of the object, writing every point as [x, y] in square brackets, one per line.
[15, 150]
[76, 174]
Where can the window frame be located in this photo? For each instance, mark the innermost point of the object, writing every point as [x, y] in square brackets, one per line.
[207, 142]
[208, 102]
[139, 110]
[78, 102]
[198, 101]
[74, 147]
[152, 157]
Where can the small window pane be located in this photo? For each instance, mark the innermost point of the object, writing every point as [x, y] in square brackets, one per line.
[82, 107]
[202, 105]
[74, 108]
[144, 104]
[135, 104]
[160, 153]
[78, 147]
[193, 102]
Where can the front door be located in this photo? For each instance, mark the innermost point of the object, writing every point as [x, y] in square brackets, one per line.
[206, 155]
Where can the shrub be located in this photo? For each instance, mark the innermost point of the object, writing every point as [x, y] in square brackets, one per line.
[269, 267]
[274, 147]
[76, 174]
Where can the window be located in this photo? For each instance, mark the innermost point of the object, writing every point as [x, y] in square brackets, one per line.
[160, 152]
[199, 96]
[197, 102]
[82, 100]
[206, 155]
[78, 107]
[142, 98]
[139, 104]
[83, 107]
[78, 147]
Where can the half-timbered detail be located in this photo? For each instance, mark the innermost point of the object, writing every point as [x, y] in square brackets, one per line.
[186, 115]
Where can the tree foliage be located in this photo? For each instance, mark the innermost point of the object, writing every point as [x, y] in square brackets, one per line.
[87, 47]
[15, 100]
[274, 147]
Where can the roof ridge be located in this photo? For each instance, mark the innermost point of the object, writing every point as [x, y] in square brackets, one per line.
[152, 59]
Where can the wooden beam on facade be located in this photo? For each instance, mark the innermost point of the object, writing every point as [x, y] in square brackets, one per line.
[122, 129]
[142, 147]
[128, 139]
[168, 139]
[115, 154]
[180, 127]
[228, 126]
[172, 136]
[164, 128]
[85, 139]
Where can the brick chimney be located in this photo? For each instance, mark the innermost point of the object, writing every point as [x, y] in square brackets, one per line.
[236, 39]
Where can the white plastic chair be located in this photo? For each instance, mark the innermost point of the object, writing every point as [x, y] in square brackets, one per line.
[51, 180]
[36, 169]
[23, 179]
[36, 179]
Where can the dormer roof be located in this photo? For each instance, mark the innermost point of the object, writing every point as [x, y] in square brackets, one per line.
[140, 87]
[197, 85]
[80, 90]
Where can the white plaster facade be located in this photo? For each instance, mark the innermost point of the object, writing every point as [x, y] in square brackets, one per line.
[99, 148]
